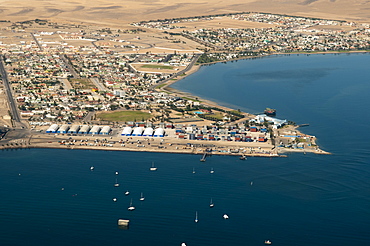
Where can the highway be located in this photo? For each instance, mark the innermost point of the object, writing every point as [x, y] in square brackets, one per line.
[8, 90]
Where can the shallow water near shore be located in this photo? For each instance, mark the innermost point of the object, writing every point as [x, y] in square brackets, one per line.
[50, 197]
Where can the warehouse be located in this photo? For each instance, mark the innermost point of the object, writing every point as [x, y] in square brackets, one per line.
[138, 131]
[148, 132]
[126, 131]
[105, 130]
[63, 129]
[52, 129]
[74, 129]
[84, 129]
[95, 130]
[159, 132]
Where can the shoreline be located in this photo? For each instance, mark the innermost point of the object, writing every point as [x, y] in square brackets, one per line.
[269, 150]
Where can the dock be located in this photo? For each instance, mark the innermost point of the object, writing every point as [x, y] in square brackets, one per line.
[203, 159]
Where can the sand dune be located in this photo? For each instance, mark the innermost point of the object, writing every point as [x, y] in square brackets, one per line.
[118, 12]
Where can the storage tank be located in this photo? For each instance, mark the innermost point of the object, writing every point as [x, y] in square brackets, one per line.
[148, 132]
[159, 132]
[84, 129]
[63, 129]
[105, 130]
[52, 129]
[74, 129]
[126, 131]
[95, 130]
[138, 131]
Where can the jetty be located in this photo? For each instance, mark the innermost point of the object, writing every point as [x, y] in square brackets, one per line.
[203, 159]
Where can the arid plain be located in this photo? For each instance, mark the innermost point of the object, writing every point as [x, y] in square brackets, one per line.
[121, 12]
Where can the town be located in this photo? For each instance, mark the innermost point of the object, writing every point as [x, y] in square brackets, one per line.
[62, 76]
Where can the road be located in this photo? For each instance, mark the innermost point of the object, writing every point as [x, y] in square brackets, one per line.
[36, 41]
[69, 67]
[12, 104]
[191, 64]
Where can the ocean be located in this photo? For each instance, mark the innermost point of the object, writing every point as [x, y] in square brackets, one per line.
[51, 197]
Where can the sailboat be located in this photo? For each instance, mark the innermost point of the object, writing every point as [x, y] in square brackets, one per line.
[196, 217]
[116, 184]
[131, 208]
[153, 168]
[142, 198]
[211, 204]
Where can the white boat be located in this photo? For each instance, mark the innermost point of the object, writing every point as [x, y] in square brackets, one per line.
[116, 184]
[225, 216]
[268, 242]
[114, 199]
[131, 208]
[127, 193]
[153, 168]
[193, 170]
[211, 204]
[183, 244]
[92, 168]
[196, 217]
[116, 173]
[142, 198]
[212, 171]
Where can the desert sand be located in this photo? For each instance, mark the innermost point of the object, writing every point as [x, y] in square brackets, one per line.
[122, 12]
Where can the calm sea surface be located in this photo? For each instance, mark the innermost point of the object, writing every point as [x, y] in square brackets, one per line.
[50, 197]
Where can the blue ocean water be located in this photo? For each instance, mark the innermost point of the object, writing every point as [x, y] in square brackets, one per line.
[50, 197]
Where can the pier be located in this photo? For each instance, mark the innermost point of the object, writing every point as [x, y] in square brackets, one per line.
[203, 159]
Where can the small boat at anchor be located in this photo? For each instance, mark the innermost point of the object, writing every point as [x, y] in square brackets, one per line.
[153, 168]
[127, 193]
[131, 208]
[142, 198]
[268, 242]
[196, 217]
[211, 204]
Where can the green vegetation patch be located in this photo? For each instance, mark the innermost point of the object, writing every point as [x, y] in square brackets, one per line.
[120, 116]
[157, 66]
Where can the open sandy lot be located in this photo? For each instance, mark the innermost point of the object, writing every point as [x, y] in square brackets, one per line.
[121, 12]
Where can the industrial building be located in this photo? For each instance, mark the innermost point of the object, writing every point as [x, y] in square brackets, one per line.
[84, 129]
[138, 131]
[95, 130]
[63, 129]
[148, 132]
[159, 132]
[52, 129]
[127, 131]
[105, 130]
[74, 129]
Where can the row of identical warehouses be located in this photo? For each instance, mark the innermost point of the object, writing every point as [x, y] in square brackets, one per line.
[76, 129]
[141, 131]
